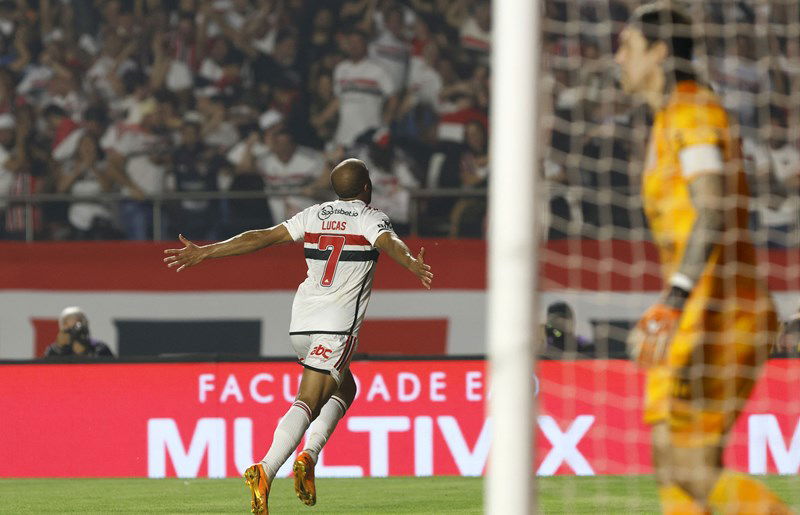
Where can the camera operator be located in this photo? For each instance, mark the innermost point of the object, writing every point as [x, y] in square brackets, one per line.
[559, 338]
[73, 337]
[789, 337]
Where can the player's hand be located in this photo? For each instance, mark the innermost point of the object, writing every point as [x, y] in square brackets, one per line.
[421, 270]
[649, 341]
[189, 255]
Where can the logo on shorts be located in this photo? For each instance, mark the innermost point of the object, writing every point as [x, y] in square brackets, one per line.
[681, 388]
[319, 350]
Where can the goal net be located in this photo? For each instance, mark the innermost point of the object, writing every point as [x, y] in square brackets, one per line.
[600, 269]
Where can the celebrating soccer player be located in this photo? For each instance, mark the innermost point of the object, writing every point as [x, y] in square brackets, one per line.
[342, 240]
[705, 341]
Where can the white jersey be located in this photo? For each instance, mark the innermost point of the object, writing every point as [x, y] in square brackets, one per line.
[339, 239]
[392, 53]
[362, 89]
[305, 165]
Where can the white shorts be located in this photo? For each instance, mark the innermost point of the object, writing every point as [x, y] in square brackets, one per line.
[326, 353]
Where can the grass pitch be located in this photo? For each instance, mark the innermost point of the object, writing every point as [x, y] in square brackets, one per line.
[568, 495]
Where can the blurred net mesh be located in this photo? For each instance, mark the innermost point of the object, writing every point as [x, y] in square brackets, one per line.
[600, 270]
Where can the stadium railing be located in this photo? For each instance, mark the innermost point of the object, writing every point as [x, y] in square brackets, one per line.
[159, 201]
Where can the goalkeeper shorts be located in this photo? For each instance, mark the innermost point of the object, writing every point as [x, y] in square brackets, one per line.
[713, 363]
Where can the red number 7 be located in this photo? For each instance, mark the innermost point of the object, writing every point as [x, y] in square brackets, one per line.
[335, 244]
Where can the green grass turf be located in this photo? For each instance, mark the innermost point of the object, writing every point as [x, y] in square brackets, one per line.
[597, 495]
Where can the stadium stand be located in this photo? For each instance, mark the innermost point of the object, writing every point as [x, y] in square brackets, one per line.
[128, 102]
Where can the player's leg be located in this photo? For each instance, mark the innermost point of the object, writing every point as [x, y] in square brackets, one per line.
[695, 429]
[315, 389]
[337, 363]
[698, 468]
[333, 411]
[706, 402]
[674, 500]
[734, 492]
[316, 386]
[318, 434]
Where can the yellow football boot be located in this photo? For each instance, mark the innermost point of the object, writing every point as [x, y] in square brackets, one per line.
[304, 479]
[256, 479]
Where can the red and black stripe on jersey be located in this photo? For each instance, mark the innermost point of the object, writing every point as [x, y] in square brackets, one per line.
[369, 254]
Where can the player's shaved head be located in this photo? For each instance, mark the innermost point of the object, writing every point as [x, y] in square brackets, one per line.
[349, 178]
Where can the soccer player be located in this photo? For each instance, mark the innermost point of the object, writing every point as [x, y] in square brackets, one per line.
[705, 341]
[342, 240]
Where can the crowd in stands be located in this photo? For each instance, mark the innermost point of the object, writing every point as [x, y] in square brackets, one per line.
[143, 98]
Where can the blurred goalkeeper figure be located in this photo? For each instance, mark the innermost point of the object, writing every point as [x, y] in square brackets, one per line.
[705, 341]
[341, 239]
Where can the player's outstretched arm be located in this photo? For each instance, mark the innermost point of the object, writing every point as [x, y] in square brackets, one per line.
[396, 249]
[249, 241]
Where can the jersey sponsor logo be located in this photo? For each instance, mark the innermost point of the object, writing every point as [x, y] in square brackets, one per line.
[328, 211]
[319, 350]
[385, 225]
[334, 225]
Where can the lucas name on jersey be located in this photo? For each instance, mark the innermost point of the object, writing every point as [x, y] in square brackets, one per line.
[334, 225]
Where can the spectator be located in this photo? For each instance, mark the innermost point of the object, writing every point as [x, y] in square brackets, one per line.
[249, 156]
[279, 64]
[7, 123]
[85, 174]
[422, 35]
[28, 166]
[241, 215]
[419, 107]
[63, 130]
[104, 77]
[475, 33]
[424, 81]
[774, 169]
[390, 48]
[364, 92]
[358, 14]
[789, 337]
[468, 214]
[392, 178]
[73, 338]
[217, 130]
[321, 39]
[137, 153]
[194, 167]
[323, 121]
[211, 69]
[739, 76]
[289, 166]
[64, 91]
[459, 101]
[184, 42]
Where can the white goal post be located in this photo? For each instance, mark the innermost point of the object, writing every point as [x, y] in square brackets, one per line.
[513, 242]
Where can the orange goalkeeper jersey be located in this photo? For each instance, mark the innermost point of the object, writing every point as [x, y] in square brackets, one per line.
[690, 127]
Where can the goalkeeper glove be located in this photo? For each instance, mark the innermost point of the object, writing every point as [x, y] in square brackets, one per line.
[649, 341]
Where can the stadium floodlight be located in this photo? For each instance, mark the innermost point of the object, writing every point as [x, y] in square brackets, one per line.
[512, 260]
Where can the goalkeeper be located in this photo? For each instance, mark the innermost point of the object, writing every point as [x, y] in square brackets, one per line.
[705, 341]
